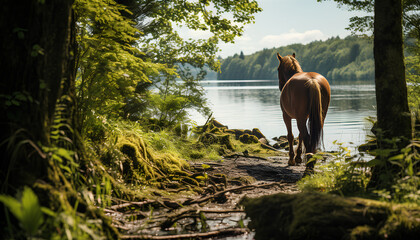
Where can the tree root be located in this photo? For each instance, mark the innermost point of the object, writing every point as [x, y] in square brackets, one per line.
[241, 155]
[217, 233]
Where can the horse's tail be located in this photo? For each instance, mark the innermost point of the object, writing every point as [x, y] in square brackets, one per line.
[315, 122]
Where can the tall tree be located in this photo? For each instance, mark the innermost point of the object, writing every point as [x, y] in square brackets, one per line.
[393, 129]
[36, 72]
[241, 55]
[391, 90]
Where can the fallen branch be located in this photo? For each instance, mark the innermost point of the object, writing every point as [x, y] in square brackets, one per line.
[128, 204]
[266, 146]
[163, 203]
[223, 232]
[193, 213]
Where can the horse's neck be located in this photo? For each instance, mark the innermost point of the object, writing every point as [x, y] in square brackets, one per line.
[290, 73]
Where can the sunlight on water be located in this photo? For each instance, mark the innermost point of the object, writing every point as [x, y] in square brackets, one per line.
[247, 104]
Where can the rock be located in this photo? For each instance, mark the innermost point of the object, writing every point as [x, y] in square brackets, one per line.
[211, 138]
[327, 216]
[218, 124]
[238, 133]
[283, 144]
[263, 141]
[256, 132]
[247, 139]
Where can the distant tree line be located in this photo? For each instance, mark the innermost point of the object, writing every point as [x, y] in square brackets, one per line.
[349, 59]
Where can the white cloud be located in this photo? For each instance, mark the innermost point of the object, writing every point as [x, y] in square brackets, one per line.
[249, 44]
[243, 43]
[291, 37]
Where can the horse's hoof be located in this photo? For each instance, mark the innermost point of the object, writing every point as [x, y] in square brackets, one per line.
[298, 160]
[291, 163]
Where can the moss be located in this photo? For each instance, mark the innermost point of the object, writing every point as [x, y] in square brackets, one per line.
[143, 162]
[363, 232]
[256, 132]
[325, 216]
[247, 139]
[226, 141]
[196, 154]
[222, 139]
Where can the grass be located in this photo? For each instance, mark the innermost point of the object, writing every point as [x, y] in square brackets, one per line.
[349, 175]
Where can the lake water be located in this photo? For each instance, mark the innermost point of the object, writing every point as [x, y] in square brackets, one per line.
[248, 104]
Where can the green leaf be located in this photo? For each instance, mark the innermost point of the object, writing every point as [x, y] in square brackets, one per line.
[20, 96]
[31, 212]
[27, 210]
[65, 153]
[397, 157]
[13, 205]
[375, 162]
[42, 84]
[48, 212]
[16, 103]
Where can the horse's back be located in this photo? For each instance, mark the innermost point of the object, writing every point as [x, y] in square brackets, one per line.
[294, 99]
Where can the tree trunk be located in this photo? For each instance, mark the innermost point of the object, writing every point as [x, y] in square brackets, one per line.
[393, 130]
[391, 90]
[34, 64]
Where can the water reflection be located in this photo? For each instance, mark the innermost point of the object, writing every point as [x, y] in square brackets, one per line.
[253, 103]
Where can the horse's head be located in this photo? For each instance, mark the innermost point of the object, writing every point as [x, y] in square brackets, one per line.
[288, 66]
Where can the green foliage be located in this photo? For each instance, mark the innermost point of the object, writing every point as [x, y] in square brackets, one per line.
[413, 80]
[327, 216]
[190, 57]
[342, 173]
[26, 209]
[347, 175]
[109, 65]
[124, 44]
[121, 51]
[363, 25]
[337, 59]
[406, 181]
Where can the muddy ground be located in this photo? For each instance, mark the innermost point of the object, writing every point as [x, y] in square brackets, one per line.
[214, 214]
[258, 171]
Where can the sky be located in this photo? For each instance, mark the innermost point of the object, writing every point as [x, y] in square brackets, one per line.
[284, 22]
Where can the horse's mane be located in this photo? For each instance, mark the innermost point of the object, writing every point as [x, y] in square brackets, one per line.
[292, 64]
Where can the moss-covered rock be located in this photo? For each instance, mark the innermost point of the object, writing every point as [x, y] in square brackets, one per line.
[222, 139]
[256, 132]
[325, 216]
[248, 139]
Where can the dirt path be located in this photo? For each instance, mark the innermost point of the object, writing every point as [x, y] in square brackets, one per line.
[258, 171]
[215, 213]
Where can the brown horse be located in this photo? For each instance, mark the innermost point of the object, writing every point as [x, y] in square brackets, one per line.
[304, 95]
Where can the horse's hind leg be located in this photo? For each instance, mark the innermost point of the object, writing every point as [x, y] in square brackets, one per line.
[298, 158]
[290, 138]
[303, 136]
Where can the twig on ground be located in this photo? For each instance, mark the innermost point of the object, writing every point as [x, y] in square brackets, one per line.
[240, 155]
[223, 232]
[128, 204]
